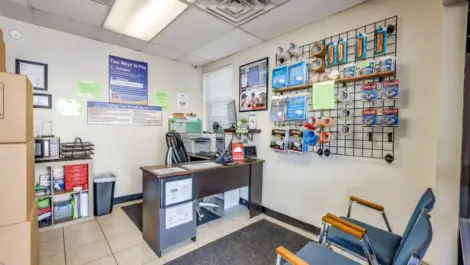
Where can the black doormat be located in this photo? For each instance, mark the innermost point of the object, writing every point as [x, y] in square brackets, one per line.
[255, 244]
[134, 211]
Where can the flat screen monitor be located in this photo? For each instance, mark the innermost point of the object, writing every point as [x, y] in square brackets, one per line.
[232, 114]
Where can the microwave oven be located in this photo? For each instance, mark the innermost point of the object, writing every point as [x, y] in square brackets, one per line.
[47, 148]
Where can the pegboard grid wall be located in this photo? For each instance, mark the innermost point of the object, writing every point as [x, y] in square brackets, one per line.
[371, 142]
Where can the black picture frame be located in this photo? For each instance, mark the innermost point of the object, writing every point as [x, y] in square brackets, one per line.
[243, 93]
[17, 70]
[49, 96]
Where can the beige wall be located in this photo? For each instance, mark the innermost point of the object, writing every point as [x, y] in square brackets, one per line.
[306, 187]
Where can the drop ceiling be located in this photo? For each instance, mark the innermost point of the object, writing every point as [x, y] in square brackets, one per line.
[206, 31]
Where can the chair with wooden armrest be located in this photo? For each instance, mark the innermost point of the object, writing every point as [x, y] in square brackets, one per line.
[385, 244]
[411, 252]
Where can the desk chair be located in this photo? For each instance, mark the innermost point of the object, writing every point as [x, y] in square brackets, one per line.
[412, 252]
[176, 153]
[385, 244]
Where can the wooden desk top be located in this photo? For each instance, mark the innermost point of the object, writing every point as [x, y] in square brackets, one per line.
[189, 171]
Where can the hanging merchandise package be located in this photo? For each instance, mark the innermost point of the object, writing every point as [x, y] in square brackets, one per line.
[391, 89]
[279, 77]
[349, 70]
[297, 108]
[279, 108]
[342, 51]
[369, 92]
[296, 142]
[279, 138]
[366, 67]
[282, 55]
[369, 117]
[332, 54]
[298, 73]
[294, 50]
[386, 63]
[390, 117]
[310, 137]
[380, 41]
[361, 46]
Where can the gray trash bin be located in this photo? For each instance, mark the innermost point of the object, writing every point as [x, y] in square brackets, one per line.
[103, 185]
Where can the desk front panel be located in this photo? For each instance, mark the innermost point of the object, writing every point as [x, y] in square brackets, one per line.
[222, 180]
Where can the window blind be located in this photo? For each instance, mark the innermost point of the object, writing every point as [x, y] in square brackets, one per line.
[217, 89]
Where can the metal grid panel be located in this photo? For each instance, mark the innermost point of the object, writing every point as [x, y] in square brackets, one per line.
[370, 142]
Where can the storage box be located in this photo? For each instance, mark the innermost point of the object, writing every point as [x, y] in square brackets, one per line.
[16, 109]
[2, 53]
[19, 244]
[17, 182]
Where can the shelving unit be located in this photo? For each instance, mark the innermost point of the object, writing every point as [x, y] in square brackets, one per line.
[46, 166]
[238, 133]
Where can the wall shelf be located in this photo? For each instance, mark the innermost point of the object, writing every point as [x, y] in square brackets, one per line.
[238, 133]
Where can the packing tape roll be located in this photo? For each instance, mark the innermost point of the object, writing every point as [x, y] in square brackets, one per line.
[344, 96]
[326, 137]
[319, 50]
[319, 65]
[345, 113]
[345, 129]
[326, 121]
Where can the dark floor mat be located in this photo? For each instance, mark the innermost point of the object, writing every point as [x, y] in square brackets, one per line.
[134, 211]
[255, 244]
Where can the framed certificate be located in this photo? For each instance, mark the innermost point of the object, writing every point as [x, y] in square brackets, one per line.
[36, 72]
[42, 101]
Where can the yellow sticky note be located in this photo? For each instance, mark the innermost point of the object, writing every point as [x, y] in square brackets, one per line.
[323, 95]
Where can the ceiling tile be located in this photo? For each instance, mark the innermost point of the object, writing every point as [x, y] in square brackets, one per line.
[52, 21]
[277, 22]
[20, 2]
[227, 44]
[162, 51]
[191, 30]
[194, 60]
[14, 11]
[108, 36]
[86, 11]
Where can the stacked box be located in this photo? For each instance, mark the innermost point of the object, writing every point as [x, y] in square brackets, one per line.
[2, 53]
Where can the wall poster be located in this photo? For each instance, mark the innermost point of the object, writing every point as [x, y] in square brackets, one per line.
[254, 86]
[128, 81]
[103, 113]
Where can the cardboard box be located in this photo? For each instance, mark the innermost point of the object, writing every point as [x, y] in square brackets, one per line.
[3, 65]
[17, 180]
[16, 109]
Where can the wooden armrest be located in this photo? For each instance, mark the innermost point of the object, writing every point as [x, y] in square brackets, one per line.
[290, 257]
[367, 203]
[343, 227]
[346, 222]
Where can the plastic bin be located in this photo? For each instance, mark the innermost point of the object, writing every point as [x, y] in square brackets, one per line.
[103, 185]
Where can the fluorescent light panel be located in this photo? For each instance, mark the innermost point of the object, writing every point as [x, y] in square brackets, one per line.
[142, 19]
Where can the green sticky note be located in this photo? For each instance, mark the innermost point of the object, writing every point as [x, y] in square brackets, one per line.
[162, 98]
[89, 89]
[323, 95]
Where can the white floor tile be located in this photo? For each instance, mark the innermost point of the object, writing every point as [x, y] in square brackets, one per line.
[116, 228]
[136, 255]
[204, 241]
[113, 218]
[157, 262]
[204, 231]
[225, 225]
[51, 247]
[57, 259]
[81, 227]
[83, 238]
[52, 234]
[109, 260]
[125, 241]
[88, 253]
[179, 250]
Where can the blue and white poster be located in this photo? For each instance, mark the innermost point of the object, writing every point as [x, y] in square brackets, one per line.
[103, 113]
[128, 81]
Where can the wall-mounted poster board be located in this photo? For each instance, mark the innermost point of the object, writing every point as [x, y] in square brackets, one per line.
[103, 113]
[254, 86]
[128, 81]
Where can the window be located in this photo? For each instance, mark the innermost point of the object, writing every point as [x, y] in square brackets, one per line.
[218, 92]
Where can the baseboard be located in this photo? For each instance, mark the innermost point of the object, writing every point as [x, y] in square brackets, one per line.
[286, 219]
[127, 198]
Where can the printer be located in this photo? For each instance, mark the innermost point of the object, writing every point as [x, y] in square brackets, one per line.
[195, 143]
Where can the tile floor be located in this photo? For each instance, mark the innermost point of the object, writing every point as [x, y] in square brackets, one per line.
[114, 239]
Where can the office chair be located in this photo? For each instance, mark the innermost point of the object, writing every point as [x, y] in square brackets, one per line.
[412, 252]
[176, 153]
[385, 244]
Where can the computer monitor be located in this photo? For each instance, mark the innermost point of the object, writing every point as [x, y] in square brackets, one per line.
[232, 114]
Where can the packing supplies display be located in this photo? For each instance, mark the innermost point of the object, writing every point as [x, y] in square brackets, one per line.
[349, 70]
[294, 50]
[311, 137]
[238, 152]
[279, 138]
[390, 117]
[380, 41]
[312, 124]
[279, 108]
[385, 64]
[369, 92]
[318, 50]
[366, 67]
[332, 54]
[345, 113]
[342, 51]
[318, 65]
[326, 122]
[326, 137]
[282, 55]
[297, 108]
[280, 75]
[345, 97]
[369, 117]
[298, 74]
[295, 143]
[361, 46]
[391, 89]
[345, 129]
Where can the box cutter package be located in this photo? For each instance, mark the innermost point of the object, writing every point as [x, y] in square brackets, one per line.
[279, 139]
[369, 117]
[298, 73]
[297, 108]
[390, 117]
[280, 77]
[279, 108]
[391, 89]
[295, 143]
[369, 92]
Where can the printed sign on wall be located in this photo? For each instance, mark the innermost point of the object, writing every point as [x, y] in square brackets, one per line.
[103, 113]
[128, 81]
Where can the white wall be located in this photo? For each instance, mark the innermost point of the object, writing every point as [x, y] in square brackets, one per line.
[308, 187]
[119, 149]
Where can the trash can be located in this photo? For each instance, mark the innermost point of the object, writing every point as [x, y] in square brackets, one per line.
[103, 185]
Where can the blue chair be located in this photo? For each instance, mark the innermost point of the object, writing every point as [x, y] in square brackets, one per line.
[412, 252]
[384, 244]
